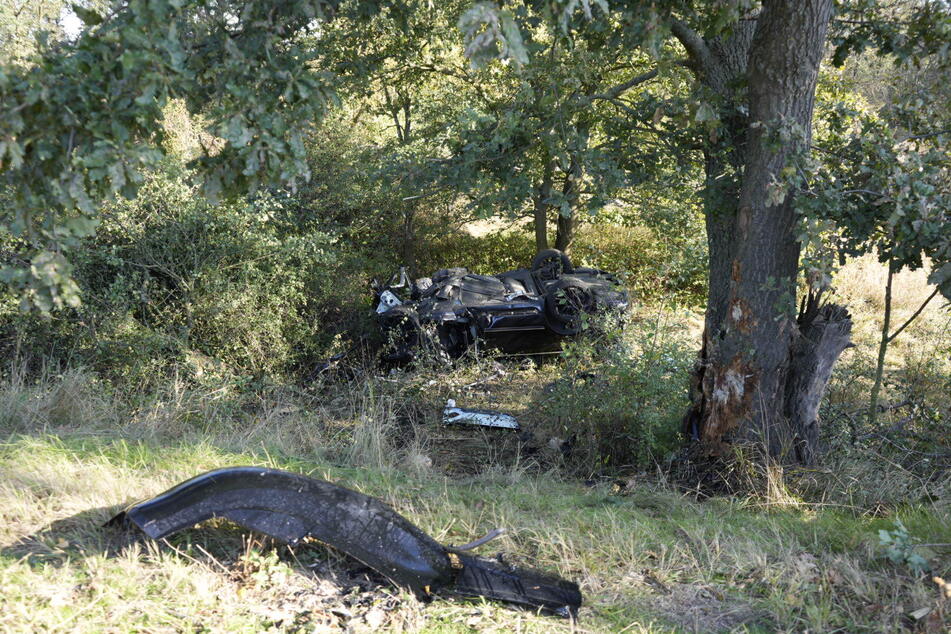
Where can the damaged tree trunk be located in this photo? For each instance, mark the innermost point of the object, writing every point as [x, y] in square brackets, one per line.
[760, 374]
[824, 333]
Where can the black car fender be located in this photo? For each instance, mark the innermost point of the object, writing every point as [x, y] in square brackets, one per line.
[291, 508]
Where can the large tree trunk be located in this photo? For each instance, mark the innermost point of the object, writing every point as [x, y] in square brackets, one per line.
[720, 65]
[746, 375]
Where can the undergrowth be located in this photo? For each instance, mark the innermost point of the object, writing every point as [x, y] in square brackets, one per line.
[853, 544]
[799, 550]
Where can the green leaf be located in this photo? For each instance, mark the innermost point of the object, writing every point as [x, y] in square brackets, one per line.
[941, 277]
[89, 16]
[705, 112]
[514, 46]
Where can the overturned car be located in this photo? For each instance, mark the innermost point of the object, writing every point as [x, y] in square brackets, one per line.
[523, 311]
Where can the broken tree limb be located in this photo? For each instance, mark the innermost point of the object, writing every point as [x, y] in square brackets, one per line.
[822, 339]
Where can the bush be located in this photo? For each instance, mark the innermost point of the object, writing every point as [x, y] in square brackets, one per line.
[653, 267]
[489, 254]
[170, 278]
[622, 394]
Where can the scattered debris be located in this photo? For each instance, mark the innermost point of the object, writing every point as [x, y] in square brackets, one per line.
[453, 415]
[295, 509]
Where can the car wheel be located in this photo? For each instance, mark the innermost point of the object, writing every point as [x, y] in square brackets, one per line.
[566, 303]
[550, 264]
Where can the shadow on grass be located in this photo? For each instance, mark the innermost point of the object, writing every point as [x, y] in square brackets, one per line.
[217, 544]
[77, 535]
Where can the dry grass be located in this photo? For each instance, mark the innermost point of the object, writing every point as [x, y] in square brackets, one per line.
[861, 286]
[906, 458]
[648, 558]
[801, 554]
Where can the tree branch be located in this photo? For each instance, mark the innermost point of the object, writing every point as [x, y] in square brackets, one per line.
[616, 91]
[928, 135]
[864, 191]
[912, 318]
[697, 49]
[619, 104]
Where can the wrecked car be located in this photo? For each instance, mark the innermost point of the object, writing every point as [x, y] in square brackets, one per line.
[527, 310]
[294, 509]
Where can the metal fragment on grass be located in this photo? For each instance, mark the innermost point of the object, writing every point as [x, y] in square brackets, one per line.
[296, 509]
[452, 415]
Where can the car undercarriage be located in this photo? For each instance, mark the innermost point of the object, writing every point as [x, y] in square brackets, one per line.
[523, 311]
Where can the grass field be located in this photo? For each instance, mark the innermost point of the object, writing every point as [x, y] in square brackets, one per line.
[800, 551]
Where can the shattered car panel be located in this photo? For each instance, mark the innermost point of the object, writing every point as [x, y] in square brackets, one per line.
[520, 311]
[452, 415]
[291, 507]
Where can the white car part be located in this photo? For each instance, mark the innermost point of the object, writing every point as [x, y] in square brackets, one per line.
[387, 301]
[453, 415]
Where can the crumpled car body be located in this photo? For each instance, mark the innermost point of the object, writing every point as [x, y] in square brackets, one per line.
[293, 508]
[522, 311]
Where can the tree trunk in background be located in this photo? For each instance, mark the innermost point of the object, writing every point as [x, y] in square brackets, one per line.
[399, 105]
[409, 239]
[540, 207]
[882, 347]
[571, 193]
[566, 229]
[540, 215]
[761, 373]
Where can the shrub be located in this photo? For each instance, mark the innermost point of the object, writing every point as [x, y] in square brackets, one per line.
[170, 277]
[621, 395]
[492, 253]
[653, 267]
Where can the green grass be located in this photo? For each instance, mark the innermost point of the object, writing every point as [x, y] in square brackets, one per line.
[647, 558]
[799, 551]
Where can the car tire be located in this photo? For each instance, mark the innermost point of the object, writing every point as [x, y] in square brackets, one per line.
[550, 264]
[566, 301]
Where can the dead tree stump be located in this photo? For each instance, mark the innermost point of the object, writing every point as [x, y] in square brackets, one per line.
[823, 335]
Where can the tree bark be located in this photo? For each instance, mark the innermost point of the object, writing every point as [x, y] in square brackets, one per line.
[571, 193]
[720, 66]
[540, 205]
[565, 233]
[409, 239]
[823, 336]
[754, 358]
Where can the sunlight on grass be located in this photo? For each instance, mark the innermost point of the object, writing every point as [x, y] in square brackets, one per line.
[648, 559]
